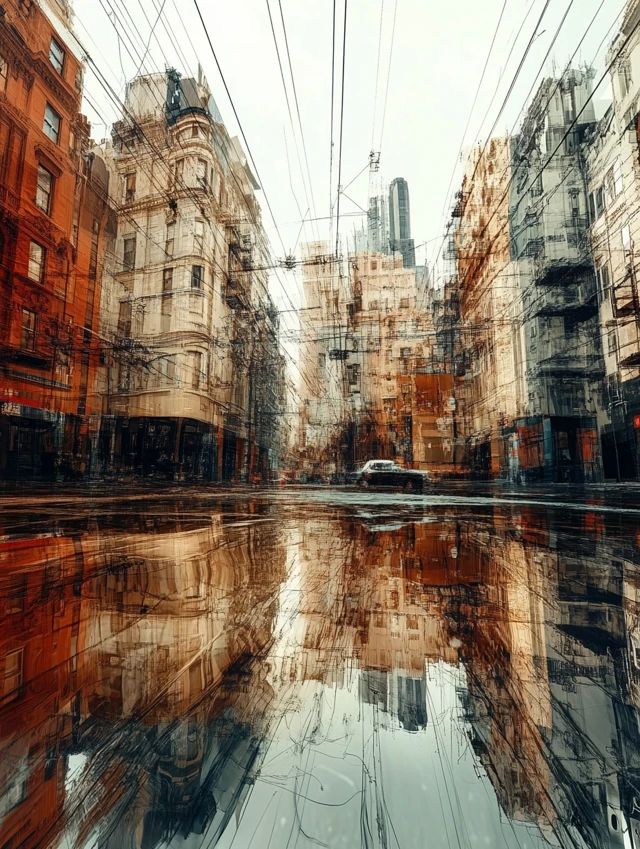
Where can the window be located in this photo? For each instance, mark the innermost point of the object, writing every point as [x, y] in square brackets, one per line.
[129, 253]
[624, 77]
[15, 793]
[178, 170]
[611, 341]
[168, 368]
[4, 73]
[124, 377]
[198, 237]
[196, 374]
[130, 187]
[165, 315]
[13, 664]
[625, 235]
[196, 276]
[124, 318]
[201, 173]
[36, 262]
[28, 335]
[51, 125]
[602, 273]
[167, 279]
[609, 189]
[93, 256]
[44, 187]
[404, 303]
[322, 359]
[536, 186]
[592, 206]
[195, 132]
[599, 195]
[168, 245]
[56, 55]
[617, 178]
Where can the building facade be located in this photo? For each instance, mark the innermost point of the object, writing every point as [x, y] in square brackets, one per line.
[613, 173]
[548, 222]
[53, 216]
[488, 352]
[400, 222]
[192, 326]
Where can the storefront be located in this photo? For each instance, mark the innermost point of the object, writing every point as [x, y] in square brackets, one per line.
[31, 442]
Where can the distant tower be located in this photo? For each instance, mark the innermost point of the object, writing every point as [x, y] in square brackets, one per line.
[400, 222]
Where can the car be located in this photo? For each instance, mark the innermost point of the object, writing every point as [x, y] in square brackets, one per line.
[387, 473]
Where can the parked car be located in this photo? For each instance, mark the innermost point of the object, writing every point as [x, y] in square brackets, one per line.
[386, 473]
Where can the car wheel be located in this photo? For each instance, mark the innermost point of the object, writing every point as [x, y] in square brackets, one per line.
[364, 484]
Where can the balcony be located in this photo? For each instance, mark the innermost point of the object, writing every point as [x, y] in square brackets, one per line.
[556, 270]
[577, 299]
[235, 293]
[624, 298]
[586, 365]
[630, 361]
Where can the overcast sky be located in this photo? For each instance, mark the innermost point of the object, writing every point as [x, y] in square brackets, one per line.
[438, 53]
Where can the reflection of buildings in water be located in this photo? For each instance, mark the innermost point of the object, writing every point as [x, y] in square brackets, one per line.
[168, 613]
[551, 682]
[40, 631]
[172, 615]
[398, 693]
[502, 632]
[401, 625]
[595, 742]
[132, 650]
[107, 642]
[317, 604]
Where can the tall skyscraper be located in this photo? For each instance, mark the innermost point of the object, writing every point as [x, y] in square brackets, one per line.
[400, 222]
[378, 225]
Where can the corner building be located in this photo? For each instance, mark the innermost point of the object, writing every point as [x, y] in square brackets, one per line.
[189, 311]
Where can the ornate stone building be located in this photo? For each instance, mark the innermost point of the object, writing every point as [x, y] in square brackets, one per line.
[189, 317]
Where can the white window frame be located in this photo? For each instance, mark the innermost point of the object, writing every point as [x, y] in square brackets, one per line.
[51, 123]
[57, 55]
[4, 73]
[37, 258]
[43, 190]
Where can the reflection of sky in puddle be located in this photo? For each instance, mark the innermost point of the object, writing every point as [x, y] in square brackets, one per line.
[340, 772]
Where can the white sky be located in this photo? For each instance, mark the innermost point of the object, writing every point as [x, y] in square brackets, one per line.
[439, 50]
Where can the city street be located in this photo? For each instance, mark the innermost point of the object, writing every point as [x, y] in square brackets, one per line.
[320, 667]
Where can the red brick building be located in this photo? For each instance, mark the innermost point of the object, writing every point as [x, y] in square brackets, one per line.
[50, 246]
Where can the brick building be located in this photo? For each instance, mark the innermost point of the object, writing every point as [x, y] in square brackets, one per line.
[50, 250]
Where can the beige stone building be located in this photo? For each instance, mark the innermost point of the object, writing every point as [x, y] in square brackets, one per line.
[490, 389]
[322, 354]
[193, 330]
[399, 394]
[613, 174]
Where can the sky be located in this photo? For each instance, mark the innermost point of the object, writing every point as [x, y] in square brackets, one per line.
[424, 59]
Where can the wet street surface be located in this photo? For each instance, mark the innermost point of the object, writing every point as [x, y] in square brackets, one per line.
[303, 668]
